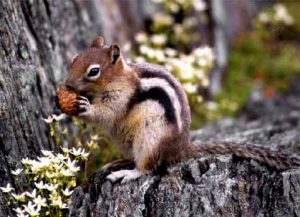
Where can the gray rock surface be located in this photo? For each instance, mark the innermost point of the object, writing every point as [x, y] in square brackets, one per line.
[37, 42]
[219, 185]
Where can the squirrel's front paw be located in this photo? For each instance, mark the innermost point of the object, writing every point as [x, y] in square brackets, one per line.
[83, 104]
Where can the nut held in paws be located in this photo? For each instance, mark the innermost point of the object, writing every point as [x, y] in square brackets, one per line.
[67, 100]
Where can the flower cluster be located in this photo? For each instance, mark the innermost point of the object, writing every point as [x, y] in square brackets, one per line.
[276, 23]
[55, 128]
[191, 69]
[53, 176]
[278, 14]
[175, 5]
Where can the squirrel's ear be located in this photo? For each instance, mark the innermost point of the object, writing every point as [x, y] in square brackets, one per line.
[98, 42]
[114, 53]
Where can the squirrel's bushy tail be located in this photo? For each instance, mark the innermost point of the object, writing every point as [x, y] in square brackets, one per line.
[273, 158]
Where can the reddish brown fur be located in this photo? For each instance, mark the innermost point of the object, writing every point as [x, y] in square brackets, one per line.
[109, 72]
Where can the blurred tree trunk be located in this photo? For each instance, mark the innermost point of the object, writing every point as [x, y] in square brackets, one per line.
[229, 19]
[37, 40]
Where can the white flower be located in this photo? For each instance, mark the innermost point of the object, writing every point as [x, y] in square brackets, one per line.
[47, 153]
[19, 197]
[43, 162]
[281, 14]
[26, 161]
[59, 117]
[40, 185]
[162, 19]
[17, 172]
[94, 137]
[50, 175]
[67, 192]
[205, 82]
[140, 59]
[173, 7]
[66, 150]
[32, 194]
[67, 173]
[199, 5]
[32, 209]
[72, 166]
[126, 47]
[190, 88]
[20, 212]
[48, 120]
[211, 105]
[264, 17]
[147, 51]
[80, 153]
[141, 37]
[52, 118]
[51, 187]
[58, 202]
[6, 189]
[205, 51]
[40, 201]
[58, 158]
[170, 52]
[158, 39]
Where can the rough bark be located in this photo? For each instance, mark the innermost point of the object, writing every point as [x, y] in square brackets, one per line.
[219, 185]
[38, 40]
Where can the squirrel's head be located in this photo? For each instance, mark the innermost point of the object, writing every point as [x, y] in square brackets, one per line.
[97, 67]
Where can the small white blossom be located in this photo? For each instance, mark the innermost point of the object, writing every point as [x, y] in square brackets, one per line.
[40, 201]
[17, 172]
[163, 19]
[67, 173]
[190, 88]
[170, 52]
[32, 194]
[281, 14]
[20, 212]
[51, 187]
[7, 189]
[58, 202]
[40, 185]
[211, 105]
[126, 47]
[47, 153]
[48, 120]
[66, 150]
[94, 137]
[80, 153]
[72, 166]
[50, 175]
[19, 197]
[59, 117]
[26, 161]
[158, 39]
[67, 192]
[264, 17]
[199, 5]
[141, 37]
[32, 209]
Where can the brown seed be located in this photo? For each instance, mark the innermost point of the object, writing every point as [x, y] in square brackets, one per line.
[67, 100]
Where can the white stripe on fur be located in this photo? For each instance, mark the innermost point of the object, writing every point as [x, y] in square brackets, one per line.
[148, 83]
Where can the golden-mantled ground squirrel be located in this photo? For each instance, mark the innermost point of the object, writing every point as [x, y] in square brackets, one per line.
[144, 108]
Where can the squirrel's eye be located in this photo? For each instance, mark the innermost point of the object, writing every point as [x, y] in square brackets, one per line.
[93, 72]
